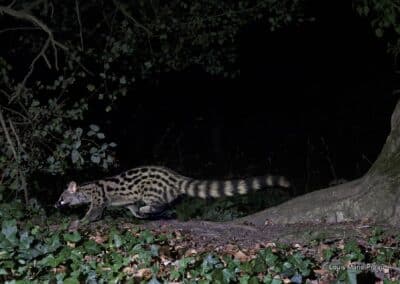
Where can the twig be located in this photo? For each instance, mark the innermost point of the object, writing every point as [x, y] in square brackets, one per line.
[14, 112]
[79, 22]
[7, 134]
[15, 134]
[123, 10]
[328, 158]
[21, 175]
[19, 29]
[366, 158]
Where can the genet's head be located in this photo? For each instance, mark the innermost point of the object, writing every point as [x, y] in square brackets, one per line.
[71, 196]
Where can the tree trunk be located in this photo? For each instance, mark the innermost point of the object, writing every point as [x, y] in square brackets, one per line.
[374, 197]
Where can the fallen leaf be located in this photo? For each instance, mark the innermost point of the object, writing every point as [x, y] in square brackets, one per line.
[239, 255]
[190, 252]
[128, 270]
[144, 273]
[320, 271]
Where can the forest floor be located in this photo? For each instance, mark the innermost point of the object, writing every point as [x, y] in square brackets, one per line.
[213, 234]
[371, 251]
[117, 249]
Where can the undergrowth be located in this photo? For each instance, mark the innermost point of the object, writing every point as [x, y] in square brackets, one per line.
[39, 249]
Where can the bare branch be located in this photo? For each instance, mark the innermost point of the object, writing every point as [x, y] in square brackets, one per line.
[21, 86]
[25, 16]
[50, 40]
[16, 155]
[79, 22]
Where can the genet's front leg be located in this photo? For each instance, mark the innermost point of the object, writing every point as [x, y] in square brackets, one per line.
[93, 214]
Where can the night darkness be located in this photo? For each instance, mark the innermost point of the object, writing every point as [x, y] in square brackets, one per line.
[312, 102]
[276, 123]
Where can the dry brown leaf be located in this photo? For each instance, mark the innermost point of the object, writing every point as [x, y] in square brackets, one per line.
[190, 252]
[128, 270]
[257, 246]
[73, 227]
[59, 269]
[268, 222]
[270, 245]
[178, 234]
[320, 271]
[320, 251]
[297, 246]
[71, 245]
[99, 239]
[241, 256]
[144, 273]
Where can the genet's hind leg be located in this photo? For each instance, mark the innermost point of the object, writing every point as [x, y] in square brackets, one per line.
[136, 212]
[151, 209]
[153, 203]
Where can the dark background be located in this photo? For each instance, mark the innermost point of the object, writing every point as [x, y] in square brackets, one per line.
[312, 102]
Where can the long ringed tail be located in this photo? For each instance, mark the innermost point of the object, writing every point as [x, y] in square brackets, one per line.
[219, 188]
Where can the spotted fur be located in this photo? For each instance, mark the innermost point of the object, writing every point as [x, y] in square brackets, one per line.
[155, 187]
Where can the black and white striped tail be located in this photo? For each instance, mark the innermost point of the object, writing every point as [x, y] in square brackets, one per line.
[219, 188]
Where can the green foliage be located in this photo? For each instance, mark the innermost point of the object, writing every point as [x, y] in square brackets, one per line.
[42, 253]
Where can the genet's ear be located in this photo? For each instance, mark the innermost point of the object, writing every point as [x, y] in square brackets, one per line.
[72, 187]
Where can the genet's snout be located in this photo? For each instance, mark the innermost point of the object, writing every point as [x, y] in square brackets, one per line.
[58, 204]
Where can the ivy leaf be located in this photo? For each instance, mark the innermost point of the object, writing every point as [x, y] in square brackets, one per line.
[379, 32]
[25, 240]
[154, 281]
[117, 240]
[95, 159]
[72, 237]
[147, 236]
[71, 280]
[254, 280]
[154, 250]
[244, 279]
[228, 275]
[91, 247]
[90, 87]
[78, 131]
[9, 230]
[94, 127]
[75, 156]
